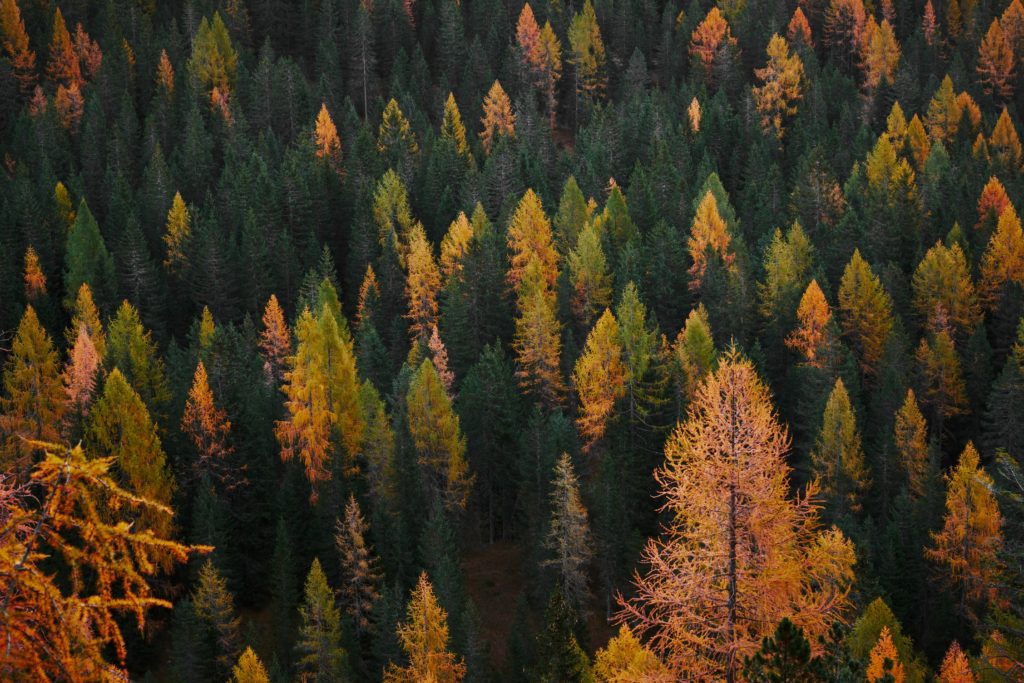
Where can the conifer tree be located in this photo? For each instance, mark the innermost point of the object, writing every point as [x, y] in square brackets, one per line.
[693, 353]
[529, 237]
[63, 66]
[537, 340]
[360, 571]
[79, 380]
[599, 379]
[711, 39]
[208, 427]
[884, 663]
[943, 289]
[865, 312]
[424, 638]
[32, 405]
[423, 282]
[165, 75]
[587, 56]
[1005, 143]
[84, 313]
[1003, 260]
[326, 140]
[35, 279]
[453, 129]
[275, 341]
[812, 337]
[454, 246]
[941, 378]
[87, 261]
[249, 669]
[592, 290]
[911, 439]
[498, 118]
[214, 60]
[707, 598]
[560, 659]
[16, 47]
[955, 666]
[321, 656]
[996, 63]
[709, 235]
[968, 546]
[437, 438]
[625, 658]
[837, 457]
[781, 87]
[798, 30]
[215, 607]
[568, 537]
[395, 138]
[131, 349]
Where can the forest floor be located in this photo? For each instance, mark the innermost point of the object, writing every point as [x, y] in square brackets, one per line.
[495, 582]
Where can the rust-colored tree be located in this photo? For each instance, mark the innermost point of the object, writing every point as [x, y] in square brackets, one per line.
[209, 429]
[498, 118]
[275, 341]
[15, 44]
[709, 236]
[996, 63]
[812, 337]
[710, 593]
[709, 39]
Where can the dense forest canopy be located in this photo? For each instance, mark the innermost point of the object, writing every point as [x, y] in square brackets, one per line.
[479, 340]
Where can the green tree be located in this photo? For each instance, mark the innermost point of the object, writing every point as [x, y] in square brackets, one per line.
[838, 458]
[321, 657]
[87, 261]
[215, 607]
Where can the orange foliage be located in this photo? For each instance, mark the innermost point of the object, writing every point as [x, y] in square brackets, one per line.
[799, 30]
[884, 660]
[15, 44]
[992, 202]
[812, 337]
[955, 666]
[165, 74]
[708, 38]
[35, 280]
[208, 428]
[498, 118]
[707, 234]
[995, 63]
[63, 66]
[328, 144]
[275, 340]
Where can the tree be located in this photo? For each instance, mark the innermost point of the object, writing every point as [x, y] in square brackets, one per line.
[1005, 143]
[360, 571]
[437, 438]
[837, 457]
[120, 424]
[588, 268]
[709, 235]
[708, 597]
[326, 140]
[275, 341]
[784, 656]
[56, 630]
[35, 279]
[84, 313]
[79, 379]
[498, 119]
[560, 659]
[215, 606]
[568, 537]
[87, 261]
[165, 75]
[540, 55]
[214, 60]
[943, 289]
[529, 237]
[798, 30]
[710, 39]
[249, 669]
[844, 29]
[625, 659]
[209, 429]
[32, 406]
[15, 44]
[131, 349]
[996, 63]
[537, 340]
[884, 663]
[812, 337]
[1003, 260]
[693, 353]
[880, 54]
[321, 657]
[943, 115]
[423, 282]
[587, 57]
[599, 379]
[781, 88]
[967, 548]
[941, 378]
[395, 138]
[452, 128]
[424, 637]
[929, 25]
[865, 312]
[63, 67]
[455, 245]
[955, 666]
[910, 434]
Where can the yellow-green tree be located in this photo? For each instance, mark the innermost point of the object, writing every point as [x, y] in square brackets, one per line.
[943, 289]
[865, 312]
[453, 129]
[537, 341]
[587, 56]
[249, 669]
[437, 438]
[591, 283]
[910, 434]
[424, 638]
[837, 456]
[214, 61]
[599, 379]
[626, 659]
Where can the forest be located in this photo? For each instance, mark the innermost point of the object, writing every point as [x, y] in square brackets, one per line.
[480, 340]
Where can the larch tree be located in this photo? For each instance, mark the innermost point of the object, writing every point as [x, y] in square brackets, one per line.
[568, 536]
[16, 47]
[956, 668]
[537, 340]
[693, 354]
[213, 61]
[396, 139]
[591, 282]
[996, 63]
[249, 669]
[992, 202]
[63, 68]
[1004, 143]
[844, 29]
[799, 30]
[529, 237]
[626, 659]
[437, 439]
[540, 56]
[165, 76]
[453, 129]
[455, 245]
[132, 350]
[967, 548]
[943, 115]
[321, 656]
[880, 54]
[32, 405]
[360, 588]
[929, 24]
[943, 289]
[837, 457]
[423, 282]
[941, 380]
[56, 630]
[865, 312]
[79, 379]
[498, 118]
[209, 430]
[424, 638]
[215, 607]
[176, 234]
[910, 435]
[884, 662]
[781, 86]
[709, 236]
[710, 594]
[1002, 263]
[812, 337]
[599, 379]
[275, 341]
[33, 277]
[85, 313]
[587, 56]
[119, 424]
[710, 39]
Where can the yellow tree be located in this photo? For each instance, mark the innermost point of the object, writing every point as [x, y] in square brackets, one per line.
[910, 434]
[943, 117]
[708, 236]
[884, 660]
[1005, 143]
[865, 312]
[711, 591]
[540, 55]
[693, 353]
[423, 281]
[837, 458]
[208, 427]
[424, 637]
[956, 668]
[1003, 260]
[781, 89]
[941, 376]
[711, 36]
[395, 136]
[176, 234]
[33, 402]
[625, 659]
[537, 341]
[968, 546]
[437, 438]
[249, 669]
[587, 56]
[880, 54]
[453, 129]
[943, 289]
[455, 245]
[498, 118]
[599, 379]
[326, 140]
[996, 63]
[55, 630]
[15, 45]
[529, 237]
[812, 337]
[84, 312]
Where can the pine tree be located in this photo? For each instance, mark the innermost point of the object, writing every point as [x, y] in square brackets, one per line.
[15, 44]
[321, 657]
[996, 63]
[395, 138]
[968, 546]
[837, 457]
[33, 402]
[249, 669]
[437, 438]
[694, 354]
[784, 656]
[708, 598]
[84, 313]
[943, 116]
[359, 566]
[782, 78]
[599, 379]
[798, 30]
[424, 637]
[884, 663]
[568, 537]
[590, 279]
[87, 261]
[865, 312]
[560, 659]
[216, 608]
[498, 119]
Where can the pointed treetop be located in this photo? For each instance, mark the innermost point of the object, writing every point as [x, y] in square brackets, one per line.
[498, 118]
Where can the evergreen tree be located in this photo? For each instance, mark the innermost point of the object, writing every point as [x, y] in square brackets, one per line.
[568, 536]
